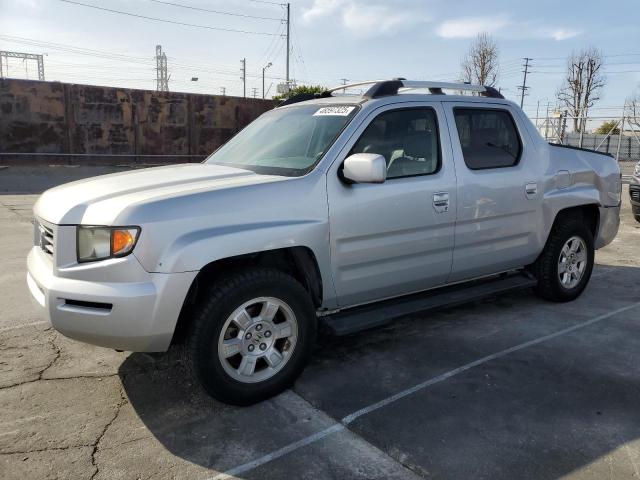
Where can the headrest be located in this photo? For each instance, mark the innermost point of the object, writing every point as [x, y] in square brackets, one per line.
[418, 145]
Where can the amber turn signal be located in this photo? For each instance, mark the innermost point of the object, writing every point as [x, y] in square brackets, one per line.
[121, 241]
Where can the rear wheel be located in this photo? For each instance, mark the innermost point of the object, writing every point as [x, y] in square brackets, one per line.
[564, 267]
[251, 336]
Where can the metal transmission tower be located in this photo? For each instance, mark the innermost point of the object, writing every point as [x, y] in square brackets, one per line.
[524, 87]
[243, 71]
[4, 62]
[162, 72]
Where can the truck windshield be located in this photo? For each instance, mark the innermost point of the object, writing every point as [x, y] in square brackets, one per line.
[288, 141]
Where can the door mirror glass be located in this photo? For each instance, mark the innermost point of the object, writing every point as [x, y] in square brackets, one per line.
[365, 168]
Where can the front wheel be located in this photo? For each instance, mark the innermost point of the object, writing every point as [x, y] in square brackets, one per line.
[251, 336]
[564, 267]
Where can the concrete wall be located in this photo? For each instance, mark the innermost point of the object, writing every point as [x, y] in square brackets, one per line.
[62, 118]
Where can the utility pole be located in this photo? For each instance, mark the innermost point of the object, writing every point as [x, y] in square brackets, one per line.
[344, 82]
[243, 70]
[546, 125]
[288, 40]
[162, 72]
[620, 133]
[223, 90]
[524, 87]
[254, 92]
[263, 69]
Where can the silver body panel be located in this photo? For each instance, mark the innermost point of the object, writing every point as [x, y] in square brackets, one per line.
[371, 241]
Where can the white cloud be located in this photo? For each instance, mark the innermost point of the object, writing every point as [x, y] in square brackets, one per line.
[321, 8]
[364, 20]
[563, 33]
[469, 27]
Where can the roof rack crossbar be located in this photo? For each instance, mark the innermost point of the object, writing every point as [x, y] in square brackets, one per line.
[380, 88]
[391, 87]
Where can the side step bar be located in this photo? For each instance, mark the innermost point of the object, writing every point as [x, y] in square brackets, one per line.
[376, 315]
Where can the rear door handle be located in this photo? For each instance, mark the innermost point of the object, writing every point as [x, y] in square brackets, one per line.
[441, 201]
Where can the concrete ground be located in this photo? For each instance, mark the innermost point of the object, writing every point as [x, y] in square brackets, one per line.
[512, 387]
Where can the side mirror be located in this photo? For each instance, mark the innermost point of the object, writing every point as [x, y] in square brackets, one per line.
[365, 168]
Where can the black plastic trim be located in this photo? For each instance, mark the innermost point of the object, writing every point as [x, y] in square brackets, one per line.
[381, 313]
[491, 92]
[83, 304]
[381, 89]
[581, 149]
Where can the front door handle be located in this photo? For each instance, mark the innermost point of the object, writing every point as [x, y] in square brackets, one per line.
[531, 189]
[441, 201]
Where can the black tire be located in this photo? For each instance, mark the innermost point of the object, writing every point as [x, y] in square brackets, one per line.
[545, 269]
[211, 312]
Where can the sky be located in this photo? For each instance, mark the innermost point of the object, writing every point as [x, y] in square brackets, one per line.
[331, 40]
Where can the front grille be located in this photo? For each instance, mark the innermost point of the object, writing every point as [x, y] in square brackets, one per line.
[45, 238]
[635, 194]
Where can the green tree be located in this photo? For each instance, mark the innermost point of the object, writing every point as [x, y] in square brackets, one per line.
[607, 126]
[302, 89]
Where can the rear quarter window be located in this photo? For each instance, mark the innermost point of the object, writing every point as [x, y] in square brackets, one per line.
[488, 138]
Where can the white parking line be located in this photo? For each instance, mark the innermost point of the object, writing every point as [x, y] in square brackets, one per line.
[404, 393]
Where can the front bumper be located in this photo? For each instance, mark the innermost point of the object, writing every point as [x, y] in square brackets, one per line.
[138, 315]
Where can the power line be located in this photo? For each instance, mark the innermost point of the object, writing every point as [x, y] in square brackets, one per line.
[72, 49]
[220, 12]
[149, 61]
[268, 3]
[163, 20]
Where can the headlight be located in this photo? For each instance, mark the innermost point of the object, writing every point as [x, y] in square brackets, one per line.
[636, 172]
[99, 243]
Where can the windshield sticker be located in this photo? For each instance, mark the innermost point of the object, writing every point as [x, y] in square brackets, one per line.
[341, 110]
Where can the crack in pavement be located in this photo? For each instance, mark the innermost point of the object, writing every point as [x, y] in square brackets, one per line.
[45, 449]
[122, 401]
[56, 357]
[51, 379]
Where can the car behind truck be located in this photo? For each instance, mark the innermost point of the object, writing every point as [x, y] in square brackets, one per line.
[347, 211]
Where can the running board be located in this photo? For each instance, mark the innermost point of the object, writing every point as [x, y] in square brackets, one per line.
[381, 313]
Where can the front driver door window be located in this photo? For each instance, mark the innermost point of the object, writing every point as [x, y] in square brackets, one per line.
[407, 139]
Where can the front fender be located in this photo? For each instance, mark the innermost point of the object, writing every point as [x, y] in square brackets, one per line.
[196, 249]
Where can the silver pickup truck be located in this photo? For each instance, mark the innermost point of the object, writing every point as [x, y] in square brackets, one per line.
[342, 211]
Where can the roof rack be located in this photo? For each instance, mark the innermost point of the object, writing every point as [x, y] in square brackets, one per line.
[393, 87]
[381, 88]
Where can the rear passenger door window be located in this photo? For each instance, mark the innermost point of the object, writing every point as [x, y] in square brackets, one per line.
[407, 139]
[488, 138]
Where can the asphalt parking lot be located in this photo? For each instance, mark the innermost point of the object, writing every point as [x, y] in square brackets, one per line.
[511, 387]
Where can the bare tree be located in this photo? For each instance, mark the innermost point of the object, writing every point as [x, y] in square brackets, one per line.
[582, 85]
[480, 64]
[632, 110]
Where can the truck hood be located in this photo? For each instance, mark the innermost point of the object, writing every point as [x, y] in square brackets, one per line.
[99, 200]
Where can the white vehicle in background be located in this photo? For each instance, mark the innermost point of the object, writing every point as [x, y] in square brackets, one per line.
[351, 210]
